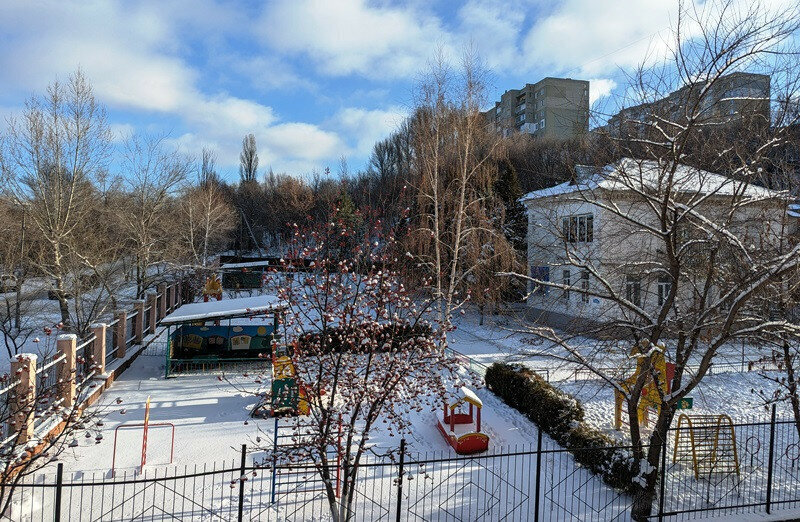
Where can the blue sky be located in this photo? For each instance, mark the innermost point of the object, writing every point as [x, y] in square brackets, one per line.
[314, 80]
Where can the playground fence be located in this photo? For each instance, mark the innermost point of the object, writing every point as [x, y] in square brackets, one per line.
[534, 482]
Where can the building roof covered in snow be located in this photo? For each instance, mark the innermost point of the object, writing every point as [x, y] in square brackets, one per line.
[628, 174]
[225, 309]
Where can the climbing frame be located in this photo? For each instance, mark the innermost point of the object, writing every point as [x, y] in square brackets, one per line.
[710, 442]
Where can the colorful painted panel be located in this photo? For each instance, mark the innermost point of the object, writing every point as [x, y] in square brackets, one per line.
[192, 341]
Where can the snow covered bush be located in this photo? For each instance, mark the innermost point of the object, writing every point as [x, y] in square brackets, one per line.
[560, 415]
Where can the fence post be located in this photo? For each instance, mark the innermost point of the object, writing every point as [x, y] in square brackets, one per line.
[23, 366]
[538, 473]
[99, 348]
[59, 483]
[400, 478]
[122, 332]
[771, 459]
[138, 327]
[152, 303]
[663, 484]
[65, 372]
[174, 295]
[274, 460]
[162, 303]
[241, 481]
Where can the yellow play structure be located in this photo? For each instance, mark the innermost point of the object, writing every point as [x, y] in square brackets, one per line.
[650, 398]
[212, 288]
[710, 442]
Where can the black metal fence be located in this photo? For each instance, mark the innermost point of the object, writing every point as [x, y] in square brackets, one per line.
[730, 468]
[537, 482]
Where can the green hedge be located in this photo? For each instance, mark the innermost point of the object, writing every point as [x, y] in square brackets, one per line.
[387, 336]
[560, 415]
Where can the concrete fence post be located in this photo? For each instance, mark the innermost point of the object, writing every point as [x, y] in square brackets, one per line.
[23, 367]
[99, 348]
[122, 333]
[168, 297]
[175, 288]
[162, 302]
[152, 303]
[138, 326]
[66, 369]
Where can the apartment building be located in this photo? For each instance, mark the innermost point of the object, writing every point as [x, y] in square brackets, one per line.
[738, 97]
[550, 108]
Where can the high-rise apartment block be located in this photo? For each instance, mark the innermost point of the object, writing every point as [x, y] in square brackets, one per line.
[550, 108]
[736, 98]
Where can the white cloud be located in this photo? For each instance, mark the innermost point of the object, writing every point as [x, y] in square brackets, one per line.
[596, 37]
[302, 141]
[352, 36]
[494, 27]
[134, 59]
[600, 88]
[368, 126]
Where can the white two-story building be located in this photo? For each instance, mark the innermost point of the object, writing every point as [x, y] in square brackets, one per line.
[596, 239]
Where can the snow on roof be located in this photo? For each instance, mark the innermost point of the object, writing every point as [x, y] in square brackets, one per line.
[470, 396]
[226, 308]
[248, 264]
[629, 174]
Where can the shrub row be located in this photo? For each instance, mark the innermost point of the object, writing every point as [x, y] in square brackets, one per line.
[561, 416]
[387, 336]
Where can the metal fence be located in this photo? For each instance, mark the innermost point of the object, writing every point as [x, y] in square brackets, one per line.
[537, 482]
[718, 468]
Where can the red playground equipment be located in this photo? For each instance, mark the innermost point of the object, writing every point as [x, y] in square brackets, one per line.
[463, 430]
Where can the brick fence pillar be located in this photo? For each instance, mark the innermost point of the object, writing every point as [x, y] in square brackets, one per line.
[99, 348]
[66, 369]
[23, 367]
[162, 302]
[152, 304]
[122, 333]
[138, 326]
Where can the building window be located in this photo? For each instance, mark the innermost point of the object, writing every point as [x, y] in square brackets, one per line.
[664, 286]
[578, 229]
[541, 274]
[541, 124]
[566, 281]
[633, 290]
[585, 286]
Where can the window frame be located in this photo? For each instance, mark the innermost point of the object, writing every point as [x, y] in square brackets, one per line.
[663, 288]
[585, 286]
[633, 289]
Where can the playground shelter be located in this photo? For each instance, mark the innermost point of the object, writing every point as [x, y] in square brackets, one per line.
[225, 333]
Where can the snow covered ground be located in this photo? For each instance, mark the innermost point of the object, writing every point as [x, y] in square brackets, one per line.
[211, 416]
[501, 339]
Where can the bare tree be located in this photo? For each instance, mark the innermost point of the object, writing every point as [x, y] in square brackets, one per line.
[51, 155]
[248, 160]
[208, 221]
[658, 251]
[208, 168]
[453, 171]
[364, 353]
[153, 174]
